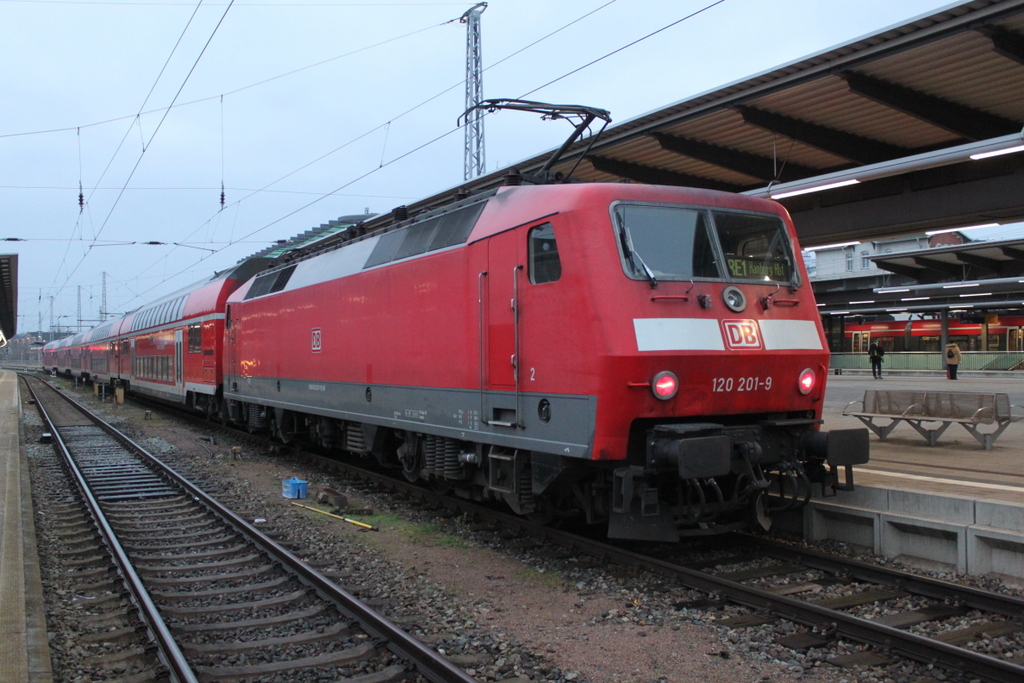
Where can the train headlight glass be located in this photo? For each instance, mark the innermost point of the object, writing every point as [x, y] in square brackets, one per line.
[806, 381]
[665, 385]
[734, 299]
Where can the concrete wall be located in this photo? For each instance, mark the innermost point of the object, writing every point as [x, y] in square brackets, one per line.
[970, 536]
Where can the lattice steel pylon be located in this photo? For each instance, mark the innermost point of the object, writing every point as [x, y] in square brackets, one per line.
[474, 163]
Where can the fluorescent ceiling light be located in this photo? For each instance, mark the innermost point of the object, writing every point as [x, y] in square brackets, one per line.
[894, 310]
[972, 284]
[961, 306]
[916, 298]
[837, 312]
[832, 246]
[817, 188]
[862, 302]
[962, 296]
[891, 291]
[998, 152]
[969, 227]
[895, 167]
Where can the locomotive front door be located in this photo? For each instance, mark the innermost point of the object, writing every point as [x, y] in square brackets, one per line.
[501, 318]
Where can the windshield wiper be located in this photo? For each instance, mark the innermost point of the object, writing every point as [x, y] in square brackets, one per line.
[631, 253]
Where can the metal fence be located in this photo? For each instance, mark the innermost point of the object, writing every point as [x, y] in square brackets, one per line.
[933, 360]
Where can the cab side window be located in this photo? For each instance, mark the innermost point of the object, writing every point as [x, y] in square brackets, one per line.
[545, 266]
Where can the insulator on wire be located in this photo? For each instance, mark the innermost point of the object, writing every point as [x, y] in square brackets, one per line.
[222, 195]
[81, 199]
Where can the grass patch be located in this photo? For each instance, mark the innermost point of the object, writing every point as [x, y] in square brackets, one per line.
[423, 533]
[550, 580]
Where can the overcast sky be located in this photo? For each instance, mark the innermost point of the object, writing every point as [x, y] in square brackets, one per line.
[307, 111]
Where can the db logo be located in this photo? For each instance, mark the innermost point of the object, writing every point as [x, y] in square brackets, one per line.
[741, 334]
[316, 340]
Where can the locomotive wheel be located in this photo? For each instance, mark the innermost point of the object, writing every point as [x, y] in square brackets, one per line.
[410, 456]
[760, 510]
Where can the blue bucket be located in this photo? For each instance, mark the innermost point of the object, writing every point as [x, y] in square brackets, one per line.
[294, 488]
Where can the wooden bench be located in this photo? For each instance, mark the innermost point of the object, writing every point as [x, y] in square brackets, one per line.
[969, 409]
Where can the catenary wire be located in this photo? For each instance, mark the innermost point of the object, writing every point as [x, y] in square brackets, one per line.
[437, 139]
[265, 188]
[157, 130]
[78, 221]
[229, 92]
[431, 142]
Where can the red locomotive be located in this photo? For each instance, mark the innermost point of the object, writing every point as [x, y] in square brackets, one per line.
[644, 357]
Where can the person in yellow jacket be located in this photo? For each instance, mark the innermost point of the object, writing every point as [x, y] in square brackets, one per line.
[953, 358]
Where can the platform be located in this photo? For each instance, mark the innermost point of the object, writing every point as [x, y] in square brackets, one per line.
[24, 653]
[954, 503]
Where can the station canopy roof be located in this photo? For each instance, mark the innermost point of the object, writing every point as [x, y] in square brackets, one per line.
[961, 262]
[963, 278]
[893, 118]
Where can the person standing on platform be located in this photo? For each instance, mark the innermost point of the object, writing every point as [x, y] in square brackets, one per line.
[953, 358]
[875, 353]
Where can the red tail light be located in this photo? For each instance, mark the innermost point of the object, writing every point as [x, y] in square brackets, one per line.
[806, 381]
[665, 385]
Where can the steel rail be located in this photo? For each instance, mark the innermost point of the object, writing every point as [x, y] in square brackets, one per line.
[884, 637]
[986, 601]
[431, 665]
[167, 649]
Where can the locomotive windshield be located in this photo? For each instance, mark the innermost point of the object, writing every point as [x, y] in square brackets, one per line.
[663, 242]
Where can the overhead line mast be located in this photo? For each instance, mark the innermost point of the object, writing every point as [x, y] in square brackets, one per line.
[474, 163]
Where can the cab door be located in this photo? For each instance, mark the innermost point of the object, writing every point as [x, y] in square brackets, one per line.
[501, 331]
[502, 318]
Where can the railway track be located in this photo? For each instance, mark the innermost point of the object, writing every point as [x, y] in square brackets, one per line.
[206, 596]
[892, 614]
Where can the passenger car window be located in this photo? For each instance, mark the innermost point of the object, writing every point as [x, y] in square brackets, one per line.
[545, 265]
[195, 338]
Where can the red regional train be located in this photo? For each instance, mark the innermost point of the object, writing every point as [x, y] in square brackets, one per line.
[1004, 333]
[647, 358]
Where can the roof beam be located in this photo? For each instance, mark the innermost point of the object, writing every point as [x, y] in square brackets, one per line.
[840, 143]
[656, 176]
[909, 271]
[939, 266]
[1013, 252]
[753, 165]
[1005, 43]
[968, 122]
[990, 264]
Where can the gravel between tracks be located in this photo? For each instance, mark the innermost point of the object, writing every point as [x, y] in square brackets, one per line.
[504, 611]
